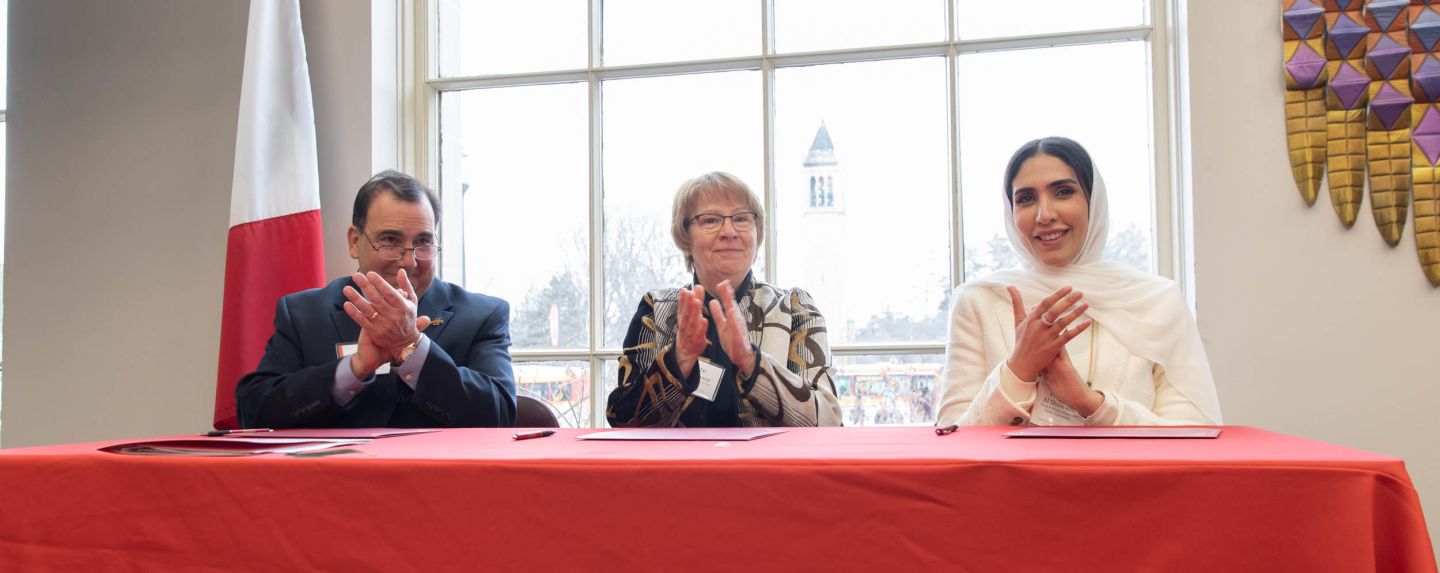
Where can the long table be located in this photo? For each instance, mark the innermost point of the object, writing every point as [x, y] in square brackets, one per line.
[835, 499]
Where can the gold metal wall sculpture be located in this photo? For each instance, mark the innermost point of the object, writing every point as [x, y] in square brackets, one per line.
[1366, 75]
[1425, 161]
[1387, 128]
[1305, 94]
[1346, 95]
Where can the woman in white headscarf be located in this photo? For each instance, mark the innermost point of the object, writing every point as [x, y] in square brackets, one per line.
[1070, 339]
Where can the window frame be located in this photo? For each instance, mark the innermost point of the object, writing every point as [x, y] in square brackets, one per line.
[420, 87]
[4, 113]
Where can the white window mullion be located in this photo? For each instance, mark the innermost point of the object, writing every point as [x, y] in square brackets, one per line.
[597, 211]
[1171, 111]
[767, 83]
[957, 220]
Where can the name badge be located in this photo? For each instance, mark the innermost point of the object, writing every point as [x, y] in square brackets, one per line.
[1050, 411]
[710, 376]
[343, 350]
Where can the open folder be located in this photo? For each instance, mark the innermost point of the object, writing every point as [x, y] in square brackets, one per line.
[228, 446]
[1114, 432]
[684, 434]
[334, 433]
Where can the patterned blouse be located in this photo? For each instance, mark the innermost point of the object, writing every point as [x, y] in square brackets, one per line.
[790, 386]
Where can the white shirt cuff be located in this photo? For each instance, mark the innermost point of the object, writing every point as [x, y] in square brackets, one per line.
[409, 370]
[1107, 413]
[1017, 391]
[347, 386]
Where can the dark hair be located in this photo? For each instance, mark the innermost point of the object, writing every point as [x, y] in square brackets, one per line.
[1062, 148]
[402, 186]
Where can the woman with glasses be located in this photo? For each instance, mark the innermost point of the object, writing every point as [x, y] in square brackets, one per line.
[728, 349]
[1070, 339]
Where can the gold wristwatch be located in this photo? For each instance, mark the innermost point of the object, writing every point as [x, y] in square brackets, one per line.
[409, 349]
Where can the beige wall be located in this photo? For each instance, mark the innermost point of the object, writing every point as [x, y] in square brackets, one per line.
[122, 131]
[1312, 329]
[353, 138]
[122, 125]
[122, 134]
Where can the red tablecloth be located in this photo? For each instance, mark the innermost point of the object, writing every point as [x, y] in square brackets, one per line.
[858, 499]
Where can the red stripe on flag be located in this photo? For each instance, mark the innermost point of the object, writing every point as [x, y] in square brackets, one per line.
[264, 260]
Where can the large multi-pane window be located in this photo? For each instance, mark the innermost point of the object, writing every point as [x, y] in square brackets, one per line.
[876, 132]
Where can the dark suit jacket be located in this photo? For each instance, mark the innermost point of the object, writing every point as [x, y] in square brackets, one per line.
[466, 380]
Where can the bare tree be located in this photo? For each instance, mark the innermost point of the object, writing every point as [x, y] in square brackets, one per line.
[639, 257]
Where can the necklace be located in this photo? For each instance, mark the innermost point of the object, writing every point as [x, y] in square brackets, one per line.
[1090, 377]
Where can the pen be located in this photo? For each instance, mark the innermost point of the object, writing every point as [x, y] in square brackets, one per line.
[947, 429]
[218, 433]
[533, 435]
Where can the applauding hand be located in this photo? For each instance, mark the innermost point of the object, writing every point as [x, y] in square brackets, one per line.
[1042, 333]
[386, 315]
[733, 330]
[690, 329]
[1065, 383]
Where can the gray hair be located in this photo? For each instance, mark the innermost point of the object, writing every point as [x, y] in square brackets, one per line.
[712, 185]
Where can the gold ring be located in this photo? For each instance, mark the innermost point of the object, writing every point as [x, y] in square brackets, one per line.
[373, 315]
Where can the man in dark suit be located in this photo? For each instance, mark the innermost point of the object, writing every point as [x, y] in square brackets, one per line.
[390, 345]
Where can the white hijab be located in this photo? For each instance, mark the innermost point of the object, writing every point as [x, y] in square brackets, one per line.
[1145, 312]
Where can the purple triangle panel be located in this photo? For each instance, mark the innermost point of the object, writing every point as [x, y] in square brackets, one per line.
[1428, 78]
[1429, 145]
[1430, 124]
[1426, 28]
[1345, 4]
[1387, 55]
[1349, 84]
[1427, 135]
[1305, 66]
[1389, 105]
[1346, 33]
[1302, 16]
[1385, 11]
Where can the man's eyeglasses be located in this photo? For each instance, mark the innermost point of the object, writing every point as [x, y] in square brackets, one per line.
[394, 252]
[711, 222]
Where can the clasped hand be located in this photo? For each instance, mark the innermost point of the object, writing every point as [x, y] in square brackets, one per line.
[729, 324]
[1040, 338]
[1042, 332]
[387, 319]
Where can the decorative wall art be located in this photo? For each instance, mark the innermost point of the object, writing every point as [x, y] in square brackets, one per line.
[1387, 129]
[1305, 94]
[1346, 96]
[1362, 102]
[1425, 161]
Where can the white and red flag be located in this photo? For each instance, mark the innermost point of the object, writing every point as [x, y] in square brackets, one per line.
[275, 246]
